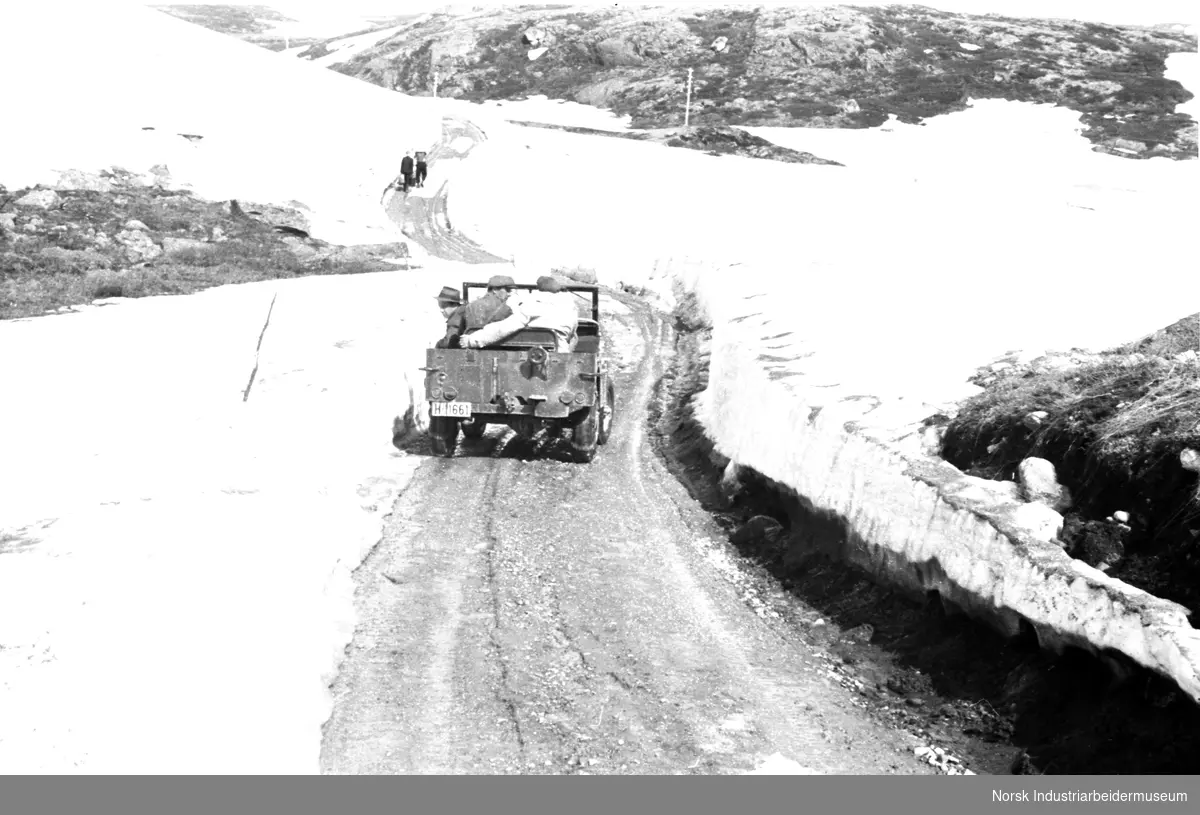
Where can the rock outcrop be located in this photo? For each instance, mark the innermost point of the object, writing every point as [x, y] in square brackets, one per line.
[828, 67]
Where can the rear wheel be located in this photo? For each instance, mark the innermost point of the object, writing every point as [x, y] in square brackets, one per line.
[606, 418]
[443, 434]
[474, 427]
[585, 434]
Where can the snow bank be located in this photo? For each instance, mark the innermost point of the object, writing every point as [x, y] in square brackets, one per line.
[854, 453]
[125, 83]
[175, 590]
[849, 303]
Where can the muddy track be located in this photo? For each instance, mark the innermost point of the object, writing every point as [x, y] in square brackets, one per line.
[526, 614]
[425, 218]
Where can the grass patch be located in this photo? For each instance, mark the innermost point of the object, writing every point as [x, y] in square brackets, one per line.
[1114, 425]
[140, 242]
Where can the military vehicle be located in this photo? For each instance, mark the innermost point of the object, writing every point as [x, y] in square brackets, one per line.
[524, 383]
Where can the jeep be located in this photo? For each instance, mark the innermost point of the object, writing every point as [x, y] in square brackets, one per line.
[524, 383]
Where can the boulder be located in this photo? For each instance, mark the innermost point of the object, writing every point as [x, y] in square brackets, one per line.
[41, 199]
[8, 221]
[138, 246]
[1190, 459]
[1128, 145]
[272, 214]
[1039, 484]
[161, 175]
[534, 37]
[615, 52]
[79, 180]
[1034, 420]
[134, 224]
[720, 44]
[1039, 520]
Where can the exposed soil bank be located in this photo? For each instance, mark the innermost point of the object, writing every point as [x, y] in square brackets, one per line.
[1003, 703]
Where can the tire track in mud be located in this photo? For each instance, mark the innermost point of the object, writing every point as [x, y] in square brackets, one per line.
[524, 614]
[540, 616]
[426, 219]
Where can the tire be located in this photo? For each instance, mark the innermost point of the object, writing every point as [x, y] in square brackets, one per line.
[443, 435]
[610, 402]
[585, 435]
[474, 428]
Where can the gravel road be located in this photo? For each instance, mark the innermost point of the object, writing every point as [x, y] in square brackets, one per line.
[527, 614]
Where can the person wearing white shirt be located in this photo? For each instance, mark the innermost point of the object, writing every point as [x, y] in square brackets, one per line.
[548, 307]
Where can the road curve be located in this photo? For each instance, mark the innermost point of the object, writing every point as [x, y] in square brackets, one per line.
[525, 614]
[425, 219]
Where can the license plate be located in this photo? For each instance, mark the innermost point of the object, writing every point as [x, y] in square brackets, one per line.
[459, 410]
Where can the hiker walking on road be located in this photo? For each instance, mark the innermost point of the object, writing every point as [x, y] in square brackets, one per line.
[406, 171]
[422, 168]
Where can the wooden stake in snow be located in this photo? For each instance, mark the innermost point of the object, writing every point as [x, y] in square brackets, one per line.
[687, 107]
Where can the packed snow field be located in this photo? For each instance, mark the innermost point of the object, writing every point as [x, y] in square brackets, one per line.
[175, 591]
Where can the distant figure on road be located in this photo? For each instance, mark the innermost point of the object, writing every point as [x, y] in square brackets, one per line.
[422, 168]
[478, 313]
[548, 307]
[406, 171]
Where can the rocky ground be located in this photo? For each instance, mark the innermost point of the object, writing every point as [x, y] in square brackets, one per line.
[968, 695]
[716, 140]
[114, 234]
[1119, 431]
[825, 67]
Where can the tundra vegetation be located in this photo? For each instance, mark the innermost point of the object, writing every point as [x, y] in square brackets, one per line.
[816, 67]
[122, 238]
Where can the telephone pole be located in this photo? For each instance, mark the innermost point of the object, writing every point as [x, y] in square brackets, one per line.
[687, 108]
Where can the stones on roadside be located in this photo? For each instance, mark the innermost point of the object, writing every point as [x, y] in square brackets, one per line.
[759, 530]
[938, 758]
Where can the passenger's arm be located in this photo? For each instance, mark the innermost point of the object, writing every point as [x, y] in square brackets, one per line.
[494, 332]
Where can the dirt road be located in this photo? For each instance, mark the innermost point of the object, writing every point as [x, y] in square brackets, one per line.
[528, 614]
[425, 219]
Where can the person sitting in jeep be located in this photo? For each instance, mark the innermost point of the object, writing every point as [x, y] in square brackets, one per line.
[547, 307]
[478, 313]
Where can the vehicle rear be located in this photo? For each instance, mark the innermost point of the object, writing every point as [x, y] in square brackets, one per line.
[524, 383]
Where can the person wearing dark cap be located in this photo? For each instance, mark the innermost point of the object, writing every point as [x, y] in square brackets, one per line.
[549, 307]
[448, 300]
[478, 313]
[450, 303]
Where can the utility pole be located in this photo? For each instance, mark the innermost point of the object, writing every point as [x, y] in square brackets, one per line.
[687, 109]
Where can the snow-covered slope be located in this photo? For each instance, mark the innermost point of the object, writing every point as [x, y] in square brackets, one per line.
[96, 85]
